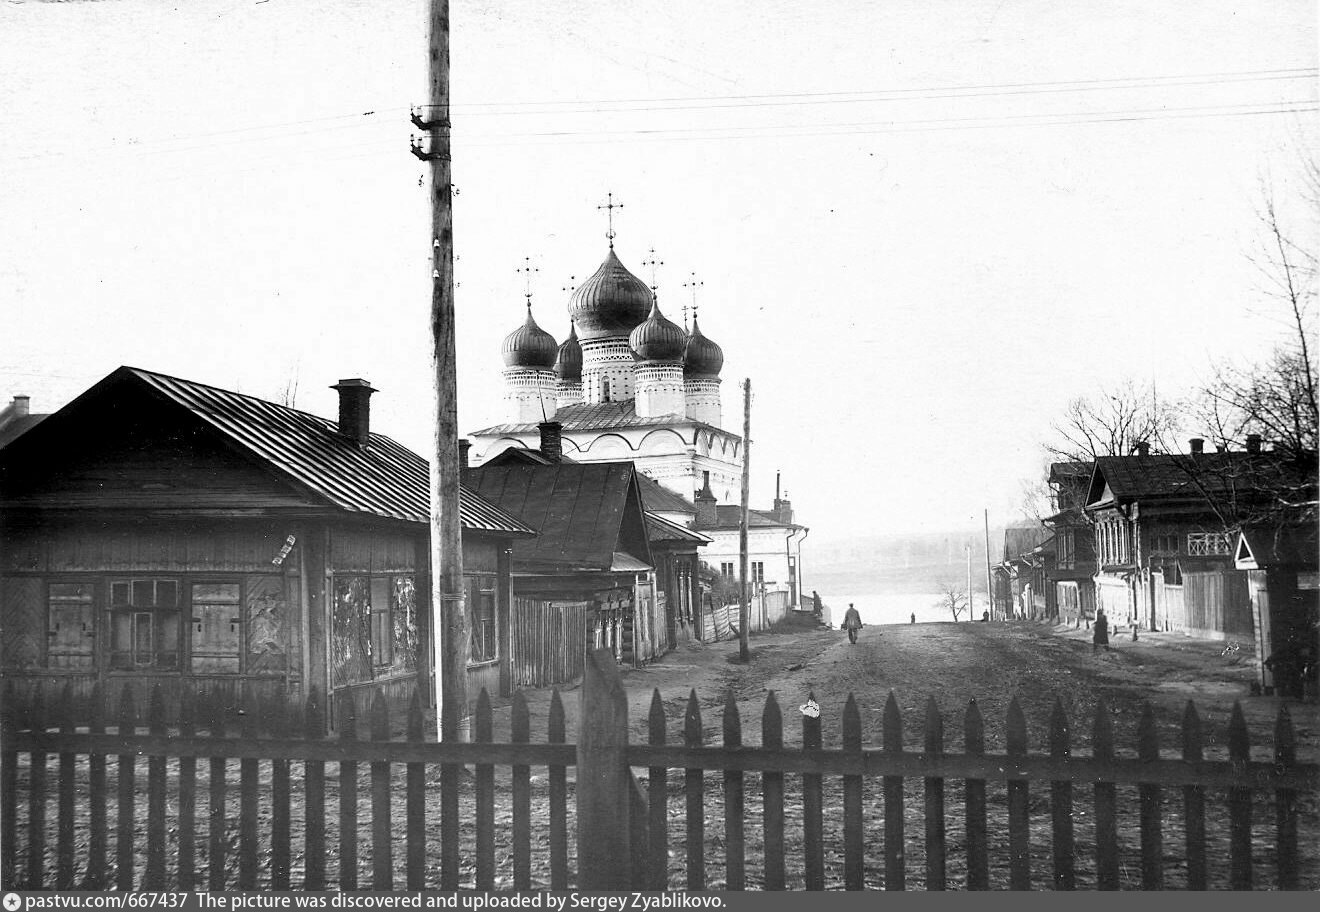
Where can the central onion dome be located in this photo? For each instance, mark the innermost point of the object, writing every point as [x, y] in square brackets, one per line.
[702, 357]
[529, 346]
[568, 364]
[611, 303]
[658, 339]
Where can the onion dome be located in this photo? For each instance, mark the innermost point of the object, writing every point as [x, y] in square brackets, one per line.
[702, 357]
[611, 303]
[529, 346]
[568, 365]
[658, 339]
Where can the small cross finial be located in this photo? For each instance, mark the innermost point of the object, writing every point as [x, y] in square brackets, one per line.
[609, 207]
[654, 264]
[694, 283]
[527, 269]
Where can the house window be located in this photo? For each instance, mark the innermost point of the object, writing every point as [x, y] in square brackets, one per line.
[144, 624]
[375, 627]
[758, 573]
[70, 631]
[403, 605]
[217, 628]
[481, 611]
[726, 569]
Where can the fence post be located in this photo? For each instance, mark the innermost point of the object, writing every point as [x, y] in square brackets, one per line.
[603, 792]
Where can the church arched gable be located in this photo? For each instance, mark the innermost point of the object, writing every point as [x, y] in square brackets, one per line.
[662, 442]
[496, 447]
[609, 445]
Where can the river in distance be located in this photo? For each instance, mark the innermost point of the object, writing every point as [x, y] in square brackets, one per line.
[881, 601]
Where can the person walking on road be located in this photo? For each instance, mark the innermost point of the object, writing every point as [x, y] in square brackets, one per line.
[852, 622]
[1100, 633]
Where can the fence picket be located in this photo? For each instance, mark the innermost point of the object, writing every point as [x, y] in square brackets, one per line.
[154, 876]
[895, 854]
[734, 848]
[694, 780]
[1239, 805]
[558, 799]
[1061, 803]
[126, 773]
[36, 860]
[382, 850]
[1106, 803]
[187, 854]
[216, 787]
[657, 799]
[1152, 836]
[276, 723]
[772, 796]
[934, 786]
[978, 861]
[68, 772]
[1285, 803]
[8, 788]
[854, 852]
[449, 784]
[98, 800]
[521, 733]
[1193, 801]
[249, 780]
[416, 787]
[484, 782]
[1019, 820]
[348, 795]
[314, 791]
[813, 843]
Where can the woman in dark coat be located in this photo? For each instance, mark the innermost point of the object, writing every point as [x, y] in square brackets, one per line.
[1100, 633]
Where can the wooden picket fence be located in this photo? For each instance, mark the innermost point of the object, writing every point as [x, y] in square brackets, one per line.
[272, 826]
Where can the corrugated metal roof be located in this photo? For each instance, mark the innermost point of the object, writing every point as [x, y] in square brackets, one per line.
[729, 516]
[659, 499]
[578, 509]
[381, 478]
[599, 417]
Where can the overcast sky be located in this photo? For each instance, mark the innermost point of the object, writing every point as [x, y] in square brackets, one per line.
[921, 227]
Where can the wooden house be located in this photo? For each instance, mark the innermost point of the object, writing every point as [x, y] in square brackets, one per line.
[592, 546]
[1282, 563]
[1073, 573]
[157, 530]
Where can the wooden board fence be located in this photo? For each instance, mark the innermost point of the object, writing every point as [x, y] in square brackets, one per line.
[261, 810]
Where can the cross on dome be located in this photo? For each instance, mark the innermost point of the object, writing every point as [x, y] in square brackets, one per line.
[527, 269]
[609, 206]
[694, 283]
[654, 264]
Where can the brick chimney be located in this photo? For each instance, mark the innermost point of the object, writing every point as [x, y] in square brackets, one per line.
[707, 515]
[1198, 445]
[1142, 448]
[463, 446]
[355, 409]
[19, 408]
[552, 441]
[1253, 444]
[783, 507]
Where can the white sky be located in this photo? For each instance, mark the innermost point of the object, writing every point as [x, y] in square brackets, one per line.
[921, 226]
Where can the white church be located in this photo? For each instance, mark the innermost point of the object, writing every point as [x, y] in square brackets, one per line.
[629, 384]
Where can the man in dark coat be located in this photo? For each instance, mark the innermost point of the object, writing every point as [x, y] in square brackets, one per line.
[1100, 632]
[852, 622]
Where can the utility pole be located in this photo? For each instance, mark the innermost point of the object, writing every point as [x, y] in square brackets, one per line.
[744, 610]
[449, 623]
[971, 603]
[989, 583]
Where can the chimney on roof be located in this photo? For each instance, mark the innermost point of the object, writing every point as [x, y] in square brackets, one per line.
[1142, 448]
[783, 507]
[463, 446]
[707, 515]
[355, 409]
[19, 407]
[1198, 445]
[1253, 444]
[552, 441]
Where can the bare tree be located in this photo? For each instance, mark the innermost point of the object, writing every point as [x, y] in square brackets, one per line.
[953, 596]
[1111, 422]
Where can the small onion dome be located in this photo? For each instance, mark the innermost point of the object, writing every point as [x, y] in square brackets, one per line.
[702, 357]
[611, 303]
[568, 365]
[658, 339]
[529, 346]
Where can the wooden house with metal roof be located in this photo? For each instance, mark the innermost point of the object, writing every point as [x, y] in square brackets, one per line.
[162, 531]
[1282, 565]
[1072, 574]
